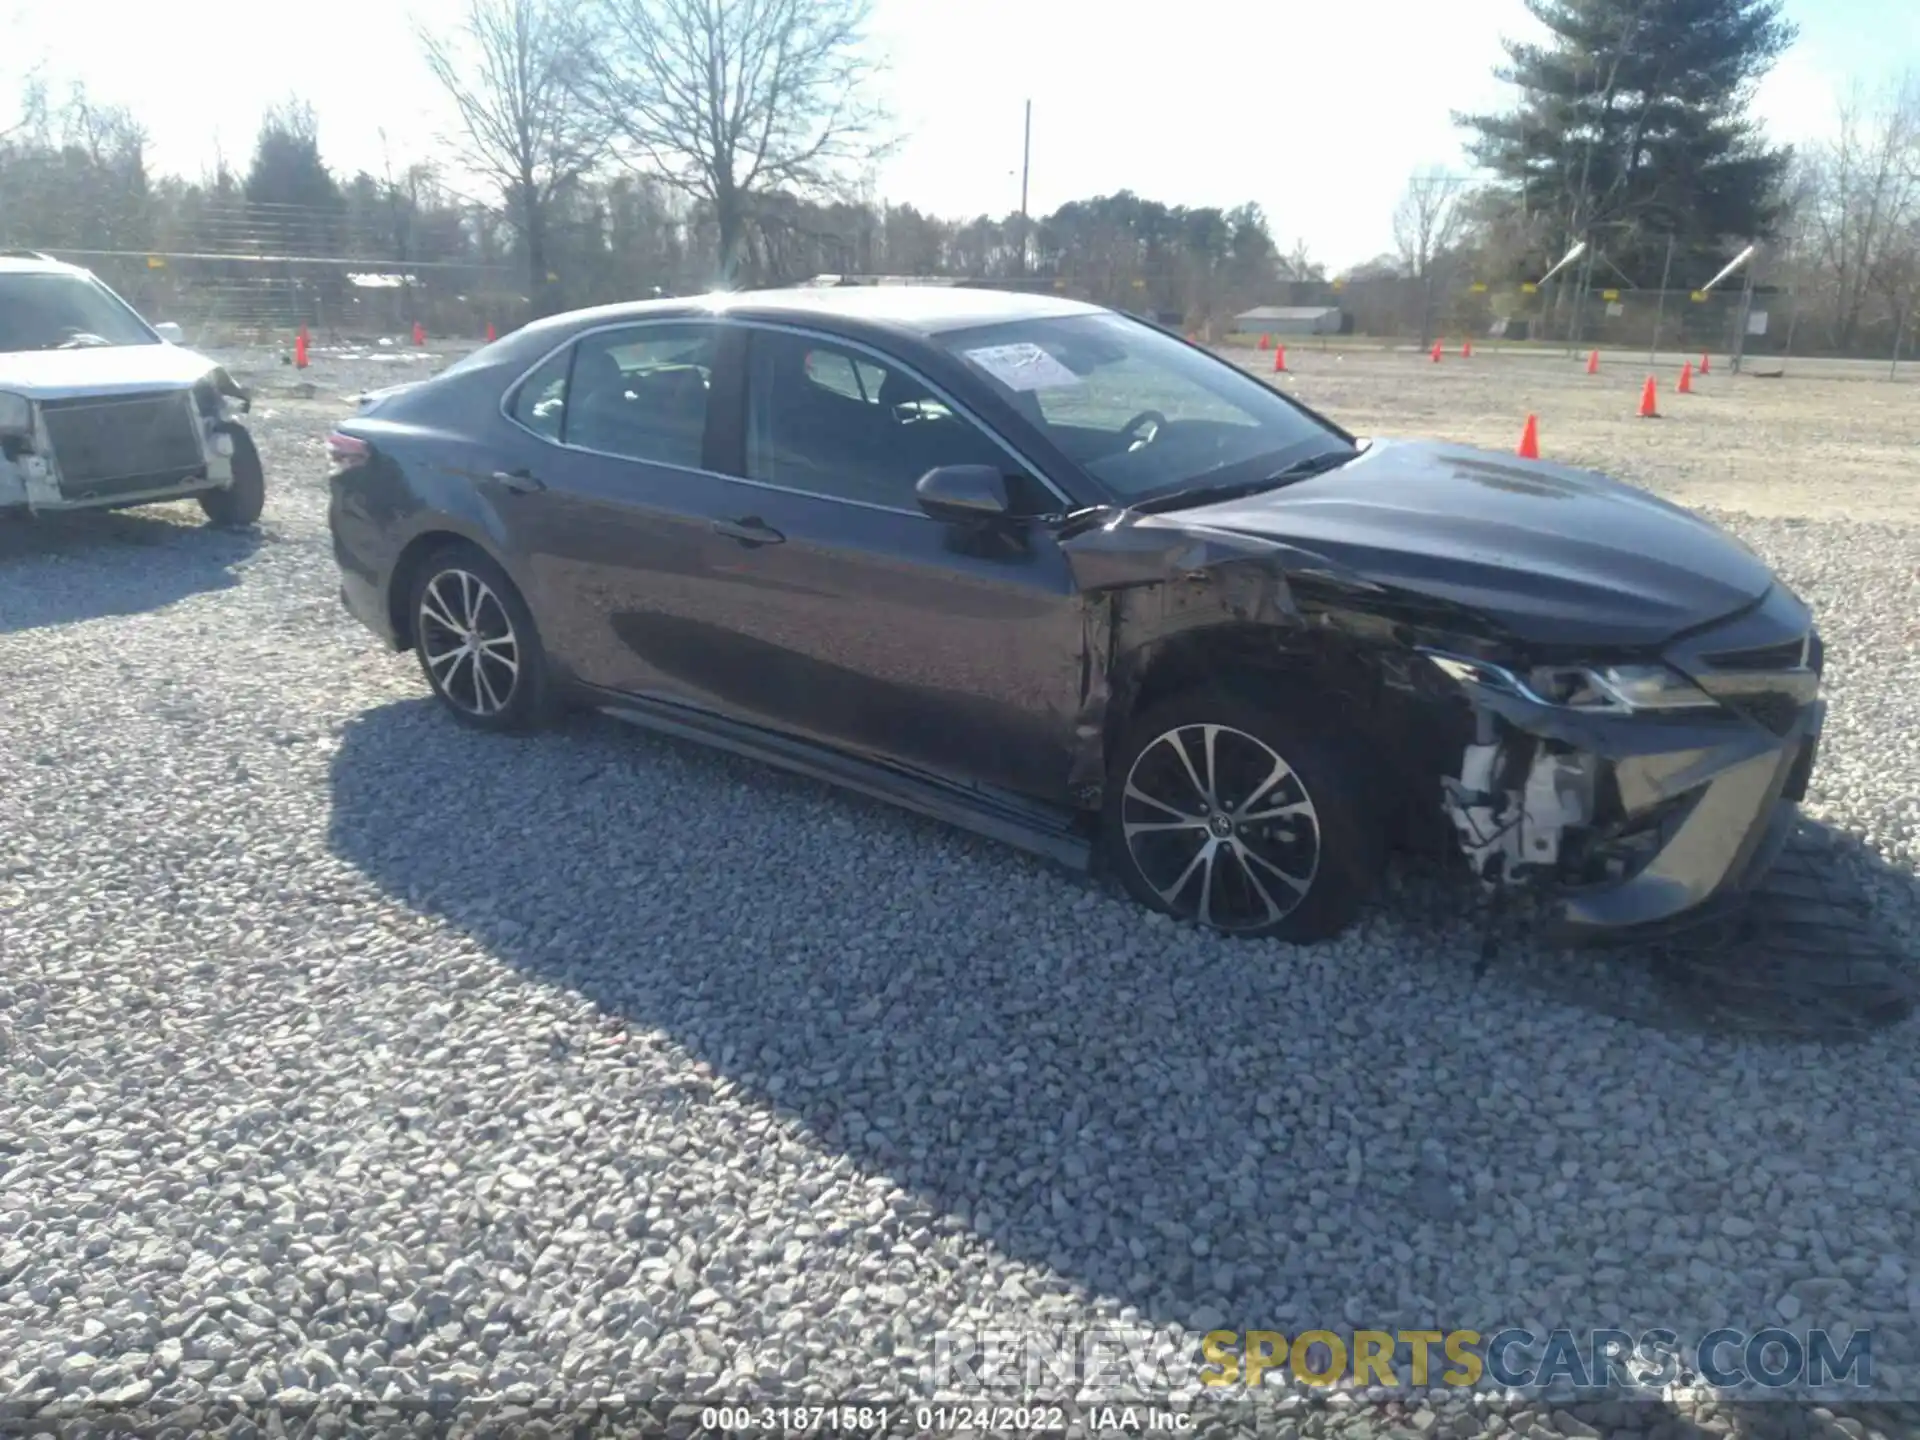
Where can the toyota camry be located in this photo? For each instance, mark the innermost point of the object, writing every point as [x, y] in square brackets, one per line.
[1049, 572]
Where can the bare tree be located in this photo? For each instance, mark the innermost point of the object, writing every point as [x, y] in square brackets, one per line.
[513, 70]
[1427, 225]
[731, 101]
[1299, 264]
[1861, 206]
[1428, 220]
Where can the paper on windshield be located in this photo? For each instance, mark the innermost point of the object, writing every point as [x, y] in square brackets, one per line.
[1023, 367]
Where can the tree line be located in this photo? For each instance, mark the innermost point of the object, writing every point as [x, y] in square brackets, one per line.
[1632, 134]
[607, 149]
[591, 175]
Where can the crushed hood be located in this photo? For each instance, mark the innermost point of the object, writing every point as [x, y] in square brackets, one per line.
[1552, 554]
[102, 370]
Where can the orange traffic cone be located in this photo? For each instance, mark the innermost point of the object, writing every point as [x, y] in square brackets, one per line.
[1649, 401]
[1685, 387]
[419, 333]
[1466, 348]
[1706, 363]
[1266, 342]
[1530, 439]
[1279, 358]
[1593, 362]
[1434, 354]
[300, 349]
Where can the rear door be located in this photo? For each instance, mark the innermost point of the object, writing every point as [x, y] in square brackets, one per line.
[842, 612]
[612, 513]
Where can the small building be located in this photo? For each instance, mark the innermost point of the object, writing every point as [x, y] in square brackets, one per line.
[1289, 320]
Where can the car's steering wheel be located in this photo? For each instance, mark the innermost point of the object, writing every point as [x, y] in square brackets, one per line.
[1145, 417]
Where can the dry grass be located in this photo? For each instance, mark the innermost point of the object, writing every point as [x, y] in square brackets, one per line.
[1829, 440]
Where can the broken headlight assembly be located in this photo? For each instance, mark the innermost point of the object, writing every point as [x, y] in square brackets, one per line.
[16, 414]
[218, 397]
[1619, 688]
[1603, 689]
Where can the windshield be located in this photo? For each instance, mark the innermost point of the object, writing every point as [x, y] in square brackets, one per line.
[1144, 414]
[52, 310]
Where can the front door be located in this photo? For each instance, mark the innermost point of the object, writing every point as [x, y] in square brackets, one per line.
[842, 612]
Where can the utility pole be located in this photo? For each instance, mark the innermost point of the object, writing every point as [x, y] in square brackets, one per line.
[1026, 161]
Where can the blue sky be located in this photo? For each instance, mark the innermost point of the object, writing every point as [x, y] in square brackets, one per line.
[1316, 111]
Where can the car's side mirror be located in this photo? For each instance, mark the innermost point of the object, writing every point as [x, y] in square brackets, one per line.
[170, 332]
[964, 493]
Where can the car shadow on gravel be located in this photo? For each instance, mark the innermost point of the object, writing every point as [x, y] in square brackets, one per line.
[1069, 1097]
[85, 565]
[1826, 952]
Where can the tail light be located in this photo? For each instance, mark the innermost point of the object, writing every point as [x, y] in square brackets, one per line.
[346, 452]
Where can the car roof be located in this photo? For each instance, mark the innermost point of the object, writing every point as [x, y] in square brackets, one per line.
[19, 262]
[922, 309]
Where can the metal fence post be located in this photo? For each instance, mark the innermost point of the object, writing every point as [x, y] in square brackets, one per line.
[1660, 304]
[1740, 326]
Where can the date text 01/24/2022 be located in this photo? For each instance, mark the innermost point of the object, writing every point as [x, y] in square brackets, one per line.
[878, 1420]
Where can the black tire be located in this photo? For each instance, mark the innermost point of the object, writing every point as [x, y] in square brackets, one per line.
[1336, 845]
[502, 686]
[239, 504]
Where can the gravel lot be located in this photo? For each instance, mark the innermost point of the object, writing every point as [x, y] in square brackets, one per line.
[347, 1054]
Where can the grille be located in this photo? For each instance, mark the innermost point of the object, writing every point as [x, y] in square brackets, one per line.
[1787, 655]
[122, 445]
[1771, 709]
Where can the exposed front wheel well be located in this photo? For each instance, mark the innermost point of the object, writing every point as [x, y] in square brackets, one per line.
[1336, 687]
[1255, 661]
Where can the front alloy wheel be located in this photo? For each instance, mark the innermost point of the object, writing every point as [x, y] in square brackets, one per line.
[1229, 816]
[476, 642]
[1221, 827]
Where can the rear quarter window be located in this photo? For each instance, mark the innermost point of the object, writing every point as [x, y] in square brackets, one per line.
[541, 401]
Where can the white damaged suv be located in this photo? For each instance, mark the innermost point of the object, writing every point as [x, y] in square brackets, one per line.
[100, 410]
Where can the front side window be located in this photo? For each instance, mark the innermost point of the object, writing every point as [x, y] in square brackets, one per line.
[641, 393]
[59, 310]
[833, 421]
[1141, 412]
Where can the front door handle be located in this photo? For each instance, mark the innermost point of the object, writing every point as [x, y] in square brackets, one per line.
[521, 482]
[751, 530]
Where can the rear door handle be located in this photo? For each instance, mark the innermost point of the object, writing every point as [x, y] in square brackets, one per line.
[521, 482]
[749, 531]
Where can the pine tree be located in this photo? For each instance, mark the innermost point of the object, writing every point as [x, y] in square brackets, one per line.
[1633, 127]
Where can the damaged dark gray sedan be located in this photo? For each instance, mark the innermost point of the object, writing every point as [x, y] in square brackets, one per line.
[1047, 572]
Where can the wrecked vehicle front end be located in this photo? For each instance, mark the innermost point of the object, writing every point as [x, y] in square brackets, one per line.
[75, 447]
[1601, 701]
[1642, 796]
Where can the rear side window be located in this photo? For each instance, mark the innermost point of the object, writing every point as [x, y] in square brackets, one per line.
[641, 393]
[542, 401]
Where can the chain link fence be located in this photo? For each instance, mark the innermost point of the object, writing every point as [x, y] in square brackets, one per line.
[1768, 324]
[265, 299]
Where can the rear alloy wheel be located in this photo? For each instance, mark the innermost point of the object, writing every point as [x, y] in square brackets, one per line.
[1220, 813]
[476, 643]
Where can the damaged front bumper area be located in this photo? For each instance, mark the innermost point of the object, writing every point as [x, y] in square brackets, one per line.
[86, 452]
[1636, 822]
